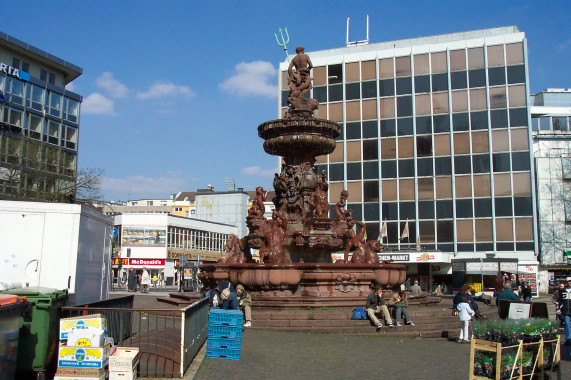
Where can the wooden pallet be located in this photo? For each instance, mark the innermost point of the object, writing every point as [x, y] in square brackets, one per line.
[497, 348]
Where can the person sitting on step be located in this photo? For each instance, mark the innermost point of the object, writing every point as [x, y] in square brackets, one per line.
[245, 304]
[376, 304]
[400, 303]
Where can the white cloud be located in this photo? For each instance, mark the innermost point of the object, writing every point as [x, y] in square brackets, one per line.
[147, 187]
[258, 171]
[165, 89]
[98, 104]
[113, 87]
[563, 46]
[70, 86]
[252, 78]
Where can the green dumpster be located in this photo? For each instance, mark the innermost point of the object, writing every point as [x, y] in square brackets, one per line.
[39, 327]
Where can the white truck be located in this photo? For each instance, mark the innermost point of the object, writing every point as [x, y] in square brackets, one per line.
[56, 245]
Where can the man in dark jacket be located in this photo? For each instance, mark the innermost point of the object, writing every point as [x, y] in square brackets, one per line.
[506, 294]
[228, 296]
[376, 304]
[132, 281]
[565, 304]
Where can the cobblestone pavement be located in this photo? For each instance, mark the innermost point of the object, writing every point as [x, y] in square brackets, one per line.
[268, 354]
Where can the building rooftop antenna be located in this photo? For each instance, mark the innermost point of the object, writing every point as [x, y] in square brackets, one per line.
[230, 184]
[361, 42]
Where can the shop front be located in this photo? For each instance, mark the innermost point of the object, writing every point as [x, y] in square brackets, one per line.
[430, 269]
[483, 274]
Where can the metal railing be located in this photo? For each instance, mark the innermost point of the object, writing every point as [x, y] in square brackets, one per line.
[167, 339]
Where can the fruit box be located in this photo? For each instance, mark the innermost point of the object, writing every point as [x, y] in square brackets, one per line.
[94, 321]
[83, 357]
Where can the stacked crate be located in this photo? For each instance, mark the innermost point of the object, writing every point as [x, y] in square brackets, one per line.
[84, 350]
[123, 364]
[224, 334]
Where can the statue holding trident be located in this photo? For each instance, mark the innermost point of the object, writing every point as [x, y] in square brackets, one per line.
[300, 84]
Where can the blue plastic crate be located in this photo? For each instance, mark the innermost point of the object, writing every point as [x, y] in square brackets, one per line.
[213, 342]
[225, 317]
[222, 353]
[228, 332]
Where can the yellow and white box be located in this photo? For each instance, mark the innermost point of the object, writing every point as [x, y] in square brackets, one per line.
[83, 357]
[124, 359]
[86, 338]
[94, 321]
[80, 374]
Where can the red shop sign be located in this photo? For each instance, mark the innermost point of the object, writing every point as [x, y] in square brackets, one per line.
[142, 262]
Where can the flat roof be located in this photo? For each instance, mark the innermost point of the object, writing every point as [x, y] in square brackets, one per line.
[441, 38]
[70, 69]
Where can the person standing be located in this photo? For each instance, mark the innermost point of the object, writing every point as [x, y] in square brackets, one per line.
[245, 304]
[161, 278]
[565, 304]
[555, 300]
[376, 304]
[526, 292]
[465, 314]
[407, 286]
[132, 280]
[145, 281]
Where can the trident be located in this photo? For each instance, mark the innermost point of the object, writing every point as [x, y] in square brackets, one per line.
[284, 42]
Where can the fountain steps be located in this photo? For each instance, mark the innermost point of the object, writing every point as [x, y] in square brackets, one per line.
[433, 321]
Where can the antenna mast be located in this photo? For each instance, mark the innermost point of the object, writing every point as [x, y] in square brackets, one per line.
[357, 43]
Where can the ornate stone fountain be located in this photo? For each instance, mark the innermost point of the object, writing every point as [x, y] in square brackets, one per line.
[295, 246]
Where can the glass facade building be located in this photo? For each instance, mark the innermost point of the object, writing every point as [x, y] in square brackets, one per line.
[39, 123]
[435, 134]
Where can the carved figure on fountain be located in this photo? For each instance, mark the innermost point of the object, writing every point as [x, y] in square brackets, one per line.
[274, 235]
[258, 208]
[318, 200]
[300, 84]
[237, 250]
[341, 214]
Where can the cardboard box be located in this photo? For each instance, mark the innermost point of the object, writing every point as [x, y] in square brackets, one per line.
[64, 373]
[124, 359]
[83, 357]
[86, 338]
[94, 321]
[128, 375]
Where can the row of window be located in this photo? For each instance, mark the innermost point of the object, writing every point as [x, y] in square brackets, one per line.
[422, 84]
[468, 232]
[444, 209]
[185, 238]
[40, 99]
[404, 168]
[39, 128]
[33, 155]
[551, 123]
[44, 75]
[475, 121]
[427, 145]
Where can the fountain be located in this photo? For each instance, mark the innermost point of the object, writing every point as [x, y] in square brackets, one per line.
[295, 245]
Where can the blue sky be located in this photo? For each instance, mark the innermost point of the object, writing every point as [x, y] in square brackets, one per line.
[174, 91]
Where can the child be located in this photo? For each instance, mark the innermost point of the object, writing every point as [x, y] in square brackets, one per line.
[465, 313]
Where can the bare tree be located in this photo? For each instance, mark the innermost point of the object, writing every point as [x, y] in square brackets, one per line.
[88, 183]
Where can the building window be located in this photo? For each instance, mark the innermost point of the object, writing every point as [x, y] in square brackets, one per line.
[52, 78]
[16, 63]
[26, 67]
[178, 209]
[43, 75]
[149, 203]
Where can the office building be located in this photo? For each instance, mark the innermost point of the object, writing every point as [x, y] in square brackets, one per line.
[551, 125]
[39, 123]
[436, 139]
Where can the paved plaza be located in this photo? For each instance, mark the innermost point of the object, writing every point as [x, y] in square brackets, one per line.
[268, 354]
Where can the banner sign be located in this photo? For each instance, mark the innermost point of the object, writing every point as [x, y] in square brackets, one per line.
[138, 262]
[483, 267]
[508, 267]
[394, 257]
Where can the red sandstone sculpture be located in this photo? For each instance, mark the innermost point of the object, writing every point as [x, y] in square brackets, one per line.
[258, 208]
[339, 209]
[235, 248]
[319, 198]
[300, 84]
